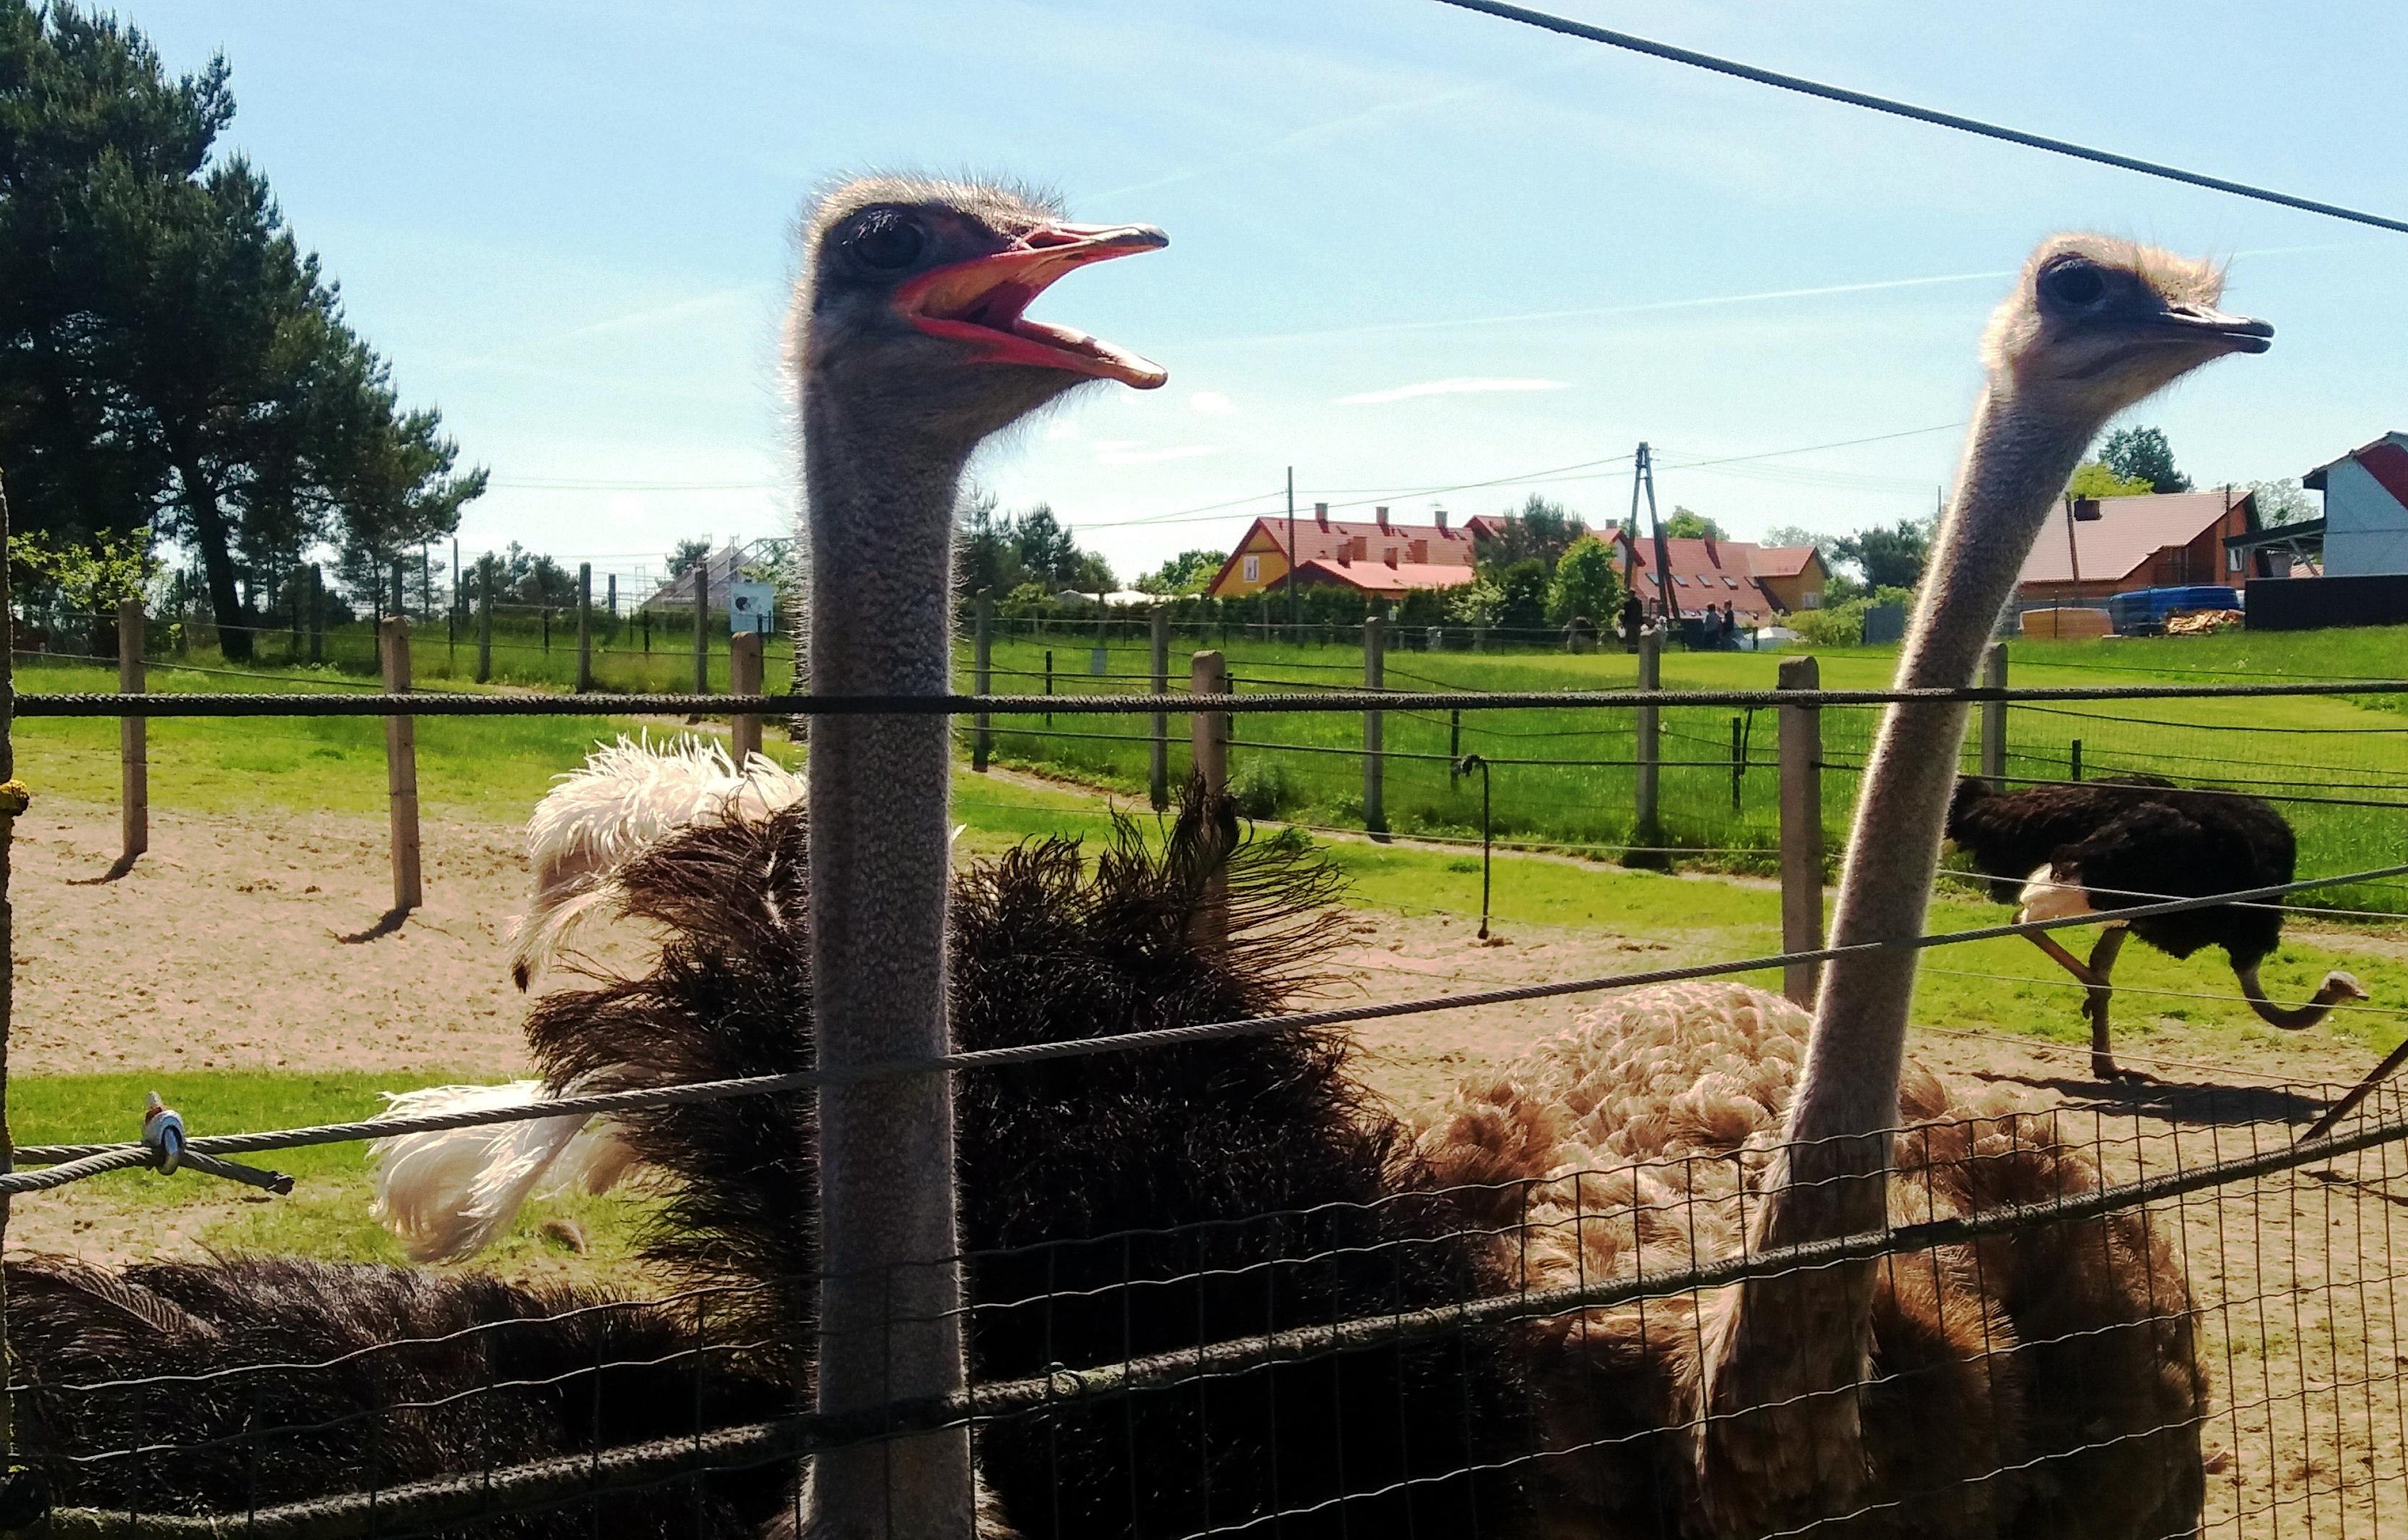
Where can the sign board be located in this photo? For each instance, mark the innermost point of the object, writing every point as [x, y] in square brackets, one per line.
[1099, 662]
[752, 607]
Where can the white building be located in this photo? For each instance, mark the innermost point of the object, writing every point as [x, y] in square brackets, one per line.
[2366, 508]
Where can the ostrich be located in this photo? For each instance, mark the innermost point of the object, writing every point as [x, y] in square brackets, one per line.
[2041, 1383]
[2115, 843]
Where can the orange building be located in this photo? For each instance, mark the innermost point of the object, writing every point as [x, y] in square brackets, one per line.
[2157, 541]
[1378, 556]
[1757, 581]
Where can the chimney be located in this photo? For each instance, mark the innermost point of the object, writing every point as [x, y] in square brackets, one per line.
[1713, 553]
[1439, 514]
[1321, 517]
[1381, 514]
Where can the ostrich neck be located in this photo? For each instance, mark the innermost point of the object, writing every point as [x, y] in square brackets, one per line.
[1786, 1351]
[880, 517]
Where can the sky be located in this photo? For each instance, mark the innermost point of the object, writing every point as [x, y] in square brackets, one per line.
[1412, 247]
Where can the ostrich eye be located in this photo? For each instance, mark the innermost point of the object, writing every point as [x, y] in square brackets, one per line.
[887, 241]
[2075, 284]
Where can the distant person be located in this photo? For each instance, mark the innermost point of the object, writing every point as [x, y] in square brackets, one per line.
[1730, 627]
[1634, 620]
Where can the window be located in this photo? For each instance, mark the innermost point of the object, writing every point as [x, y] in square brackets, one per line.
[1254, 569]
[1730, 583]
[1682, 581]
[2232, 561]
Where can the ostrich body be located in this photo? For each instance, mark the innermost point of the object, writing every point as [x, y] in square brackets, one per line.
[911, 349]
[2101, 846]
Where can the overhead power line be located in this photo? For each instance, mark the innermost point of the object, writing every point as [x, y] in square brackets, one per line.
[1569, 28]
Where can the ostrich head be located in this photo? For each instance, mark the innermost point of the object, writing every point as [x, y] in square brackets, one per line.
[2097, 325]
[910, 306]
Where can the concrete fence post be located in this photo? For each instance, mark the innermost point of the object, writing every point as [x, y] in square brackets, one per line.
[1375, 673]
[401, 770]
[702, 627]
[1994, 717]
[485, 620]
[1208, 741]
[982, 679]
[1157, 778]
[317, 614]
[744, 678]
[1647, 828]
[132, 737]
[586, 628]
[1802, 831]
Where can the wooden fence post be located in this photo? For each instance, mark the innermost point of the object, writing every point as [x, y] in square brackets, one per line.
[317, 614]
[1158, 775]
[982, 678]
[1647, 832]
[1208, 743]
[1802, 831]
[702, 627]
[401, 770]
[297, 591]
[744, 678]
[585, 633]
[485, 620]
[1375, 673]
[1994, 717]
[134, 764]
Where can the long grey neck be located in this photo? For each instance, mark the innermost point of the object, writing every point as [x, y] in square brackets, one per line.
[1786, 1351]
[880, 542]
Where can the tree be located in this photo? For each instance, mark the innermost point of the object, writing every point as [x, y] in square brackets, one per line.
[1686, 524]
[1522, 595]
[1188, 572]
[1046, 550]
[687, 555]
[169, 356]
[2142, 454]
[1092, 574]
[1792, 533]
[2282, 502]
[1541, 529]
[1889, 557]
[2095, 479]
[1584, 584]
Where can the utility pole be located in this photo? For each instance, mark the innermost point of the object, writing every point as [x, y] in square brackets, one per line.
[1642, 475]
[1292, 614]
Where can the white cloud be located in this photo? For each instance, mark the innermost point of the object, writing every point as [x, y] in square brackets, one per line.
[1461, 385]
[1212, 403]
[1129, 452]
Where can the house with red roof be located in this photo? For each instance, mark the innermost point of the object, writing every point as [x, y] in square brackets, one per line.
[1759, 583]
[2157, 541]
[1374, 556]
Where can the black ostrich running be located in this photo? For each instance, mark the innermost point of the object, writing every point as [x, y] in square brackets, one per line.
[2127, 841]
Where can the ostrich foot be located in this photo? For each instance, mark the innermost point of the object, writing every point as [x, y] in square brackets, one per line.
[2105, 1069]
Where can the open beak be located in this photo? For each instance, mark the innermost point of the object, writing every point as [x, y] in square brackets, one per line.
[979, 302]
[2239, 333]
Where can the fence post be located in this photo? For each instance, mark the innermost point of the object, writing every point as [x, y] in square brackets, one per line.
[744, 678]
[611, 581]
[317, 614]
[982, 679]
[1157, 778]
[585, 635]
[1049, 682]
[401, 768]
[702, 627]
[1994, 717]
[1646, 831]
[132, 733]
[1480, 637]
[484, 620]
[1802, 831]
[2074, 759]
[298, 591]
[1375, 672]
[1208, 743]
[1739, 759]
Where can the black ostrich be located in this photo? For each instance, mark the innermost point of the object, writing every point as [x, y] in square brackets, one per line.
[2101, 846]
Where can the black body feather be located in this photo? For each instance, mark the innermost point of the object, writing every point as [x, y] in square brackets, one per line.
[2129, 840]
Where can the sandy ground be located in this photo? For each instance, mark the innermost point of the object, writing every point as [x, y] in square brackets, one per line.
[256, 942]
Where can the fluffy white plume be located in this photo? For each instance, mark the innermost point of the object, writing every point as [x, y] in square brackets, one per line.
[447, 1194]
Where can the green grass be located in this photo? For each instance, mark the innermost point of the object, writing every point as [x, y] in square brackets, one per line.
[2340, 747]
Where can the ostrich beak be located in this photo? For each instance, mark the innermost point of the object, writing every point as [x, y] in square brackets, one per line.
[979, 302]
[2238, 332]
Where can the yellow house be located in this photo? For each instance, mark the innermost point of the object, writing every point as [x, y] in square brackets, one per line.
[1379, 555]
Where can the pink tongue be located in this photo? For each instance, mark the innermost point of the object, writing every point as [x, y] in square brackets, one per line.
[1129, 368]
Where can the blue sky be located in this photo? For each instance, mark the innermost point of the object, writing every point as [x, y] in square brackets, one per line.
[1412, 246]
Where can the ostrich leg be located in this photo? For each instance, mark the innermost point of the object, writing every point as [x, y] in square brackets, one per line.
[2103, 963]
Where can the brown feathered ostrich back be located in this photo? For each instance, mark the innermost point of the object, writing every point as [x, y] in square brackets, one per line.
[1113, 1204]
[2005, 1374]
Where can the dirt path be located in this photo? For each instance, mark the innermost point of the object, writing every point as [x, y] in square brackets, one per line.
[252, 942]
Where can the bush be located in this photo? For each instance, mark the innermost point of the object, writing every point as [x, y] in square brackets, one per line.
[1842, 624]
[1263, 787]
